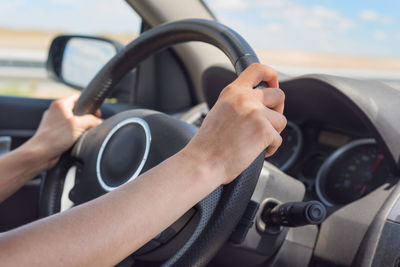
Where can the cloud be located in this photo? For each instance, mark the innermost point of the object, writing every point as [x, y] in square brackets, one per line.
[373, 16]
[284, 24]
[315, 17]
[274, 27]
[369, 15]
[380, 35]
[230, 5]
[291, 25]
[287, 11]
[88, 16]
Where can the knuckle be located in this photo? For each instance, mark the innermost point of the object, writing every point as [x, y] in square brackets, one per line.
[56, 104]
[274, 144]
[278, 140]
[268, 135]
[72, 121]
[256, 117]
[280, 94]
[273, 73]
[226, 90]
[282, 123]
[241, 99]
[270, 151]
[256, 66]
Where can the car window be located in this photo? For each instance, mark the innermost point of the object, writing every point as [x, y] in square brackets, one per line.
[359, 39]
[28, 27]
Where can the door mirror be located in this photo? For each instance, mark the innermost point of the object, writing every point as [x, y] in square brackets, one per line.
[83, 58]
[75, 60]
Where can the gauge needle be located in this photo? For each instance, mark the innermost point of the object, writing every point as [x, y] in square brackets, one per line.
[363, 189]
[377, 162]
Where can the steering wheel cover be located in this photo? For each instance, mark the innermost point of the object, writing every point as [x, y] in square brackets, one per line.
[222, 209]
[211, 234]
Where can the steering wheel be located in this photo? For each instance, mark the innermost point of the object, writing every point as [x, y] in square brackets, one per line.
[131, 142]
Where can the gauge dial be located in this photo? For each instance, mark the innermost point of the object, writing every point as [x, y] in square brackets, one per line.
[292, 141]
[352, 172]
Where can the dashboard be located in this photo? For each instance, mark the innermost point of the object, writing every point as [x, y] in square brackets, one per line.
[337, 166]
[340, 147]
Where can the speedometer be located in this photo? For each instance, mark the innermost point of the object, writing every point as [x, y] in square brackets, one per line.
[352, 172]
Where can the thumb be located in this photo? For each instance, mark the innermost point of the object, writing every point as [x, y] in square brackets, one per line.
[89, 121]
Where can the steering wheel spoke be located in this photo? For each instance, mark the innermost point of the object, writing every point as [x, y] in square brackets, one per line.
[69, 183]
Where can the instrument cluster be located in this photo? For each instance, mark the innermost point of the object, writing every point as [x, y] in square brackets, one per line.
[336, 168]
[343, 170]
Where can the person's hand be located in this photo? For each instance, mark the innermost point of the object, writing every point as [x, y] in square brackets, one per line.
[242, 123]
[60, 128]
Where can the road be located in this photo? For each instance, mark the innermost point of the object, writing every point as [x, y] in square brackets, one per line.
[23, 73]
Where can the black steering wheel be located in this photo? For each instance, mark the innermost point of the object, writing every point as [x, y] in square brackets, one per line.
[131, 142]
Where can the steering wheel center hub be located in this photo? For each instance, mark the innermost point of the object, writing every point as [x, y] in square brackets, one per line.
[123, 153]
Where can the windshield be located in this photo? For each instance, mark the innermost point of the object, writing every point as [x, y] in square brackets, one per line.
[358, 39]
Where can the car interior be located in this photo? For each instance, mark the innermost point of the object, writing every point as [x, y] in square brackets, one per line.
[335, 176]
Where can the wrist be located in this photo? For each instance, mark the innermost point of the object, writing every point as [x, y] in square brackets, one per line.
[206, 170]
[36, 155]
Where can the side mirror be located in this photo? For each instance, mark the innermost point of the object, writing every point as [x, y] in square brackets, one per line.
[75, 60]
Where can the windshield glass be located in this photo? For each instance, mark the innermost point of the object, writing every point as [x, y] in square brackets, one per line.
[349, 38]
[28, 27]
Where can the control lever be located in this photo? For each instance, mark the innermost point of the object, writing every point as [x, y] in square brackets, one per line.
[294, 214]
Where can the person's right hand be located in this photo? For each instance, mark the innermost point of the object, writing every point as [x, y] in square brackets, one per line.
[242, 123]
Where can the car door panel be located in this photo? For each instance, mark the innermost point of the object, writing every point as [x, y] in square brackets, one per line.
[20, 117]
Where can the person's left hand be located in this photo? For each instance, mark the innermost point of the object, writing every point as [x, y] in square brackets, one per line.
[60, 128]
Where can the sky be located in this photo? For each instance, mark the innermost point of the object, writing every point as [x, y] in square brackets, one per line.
[74, 16]
[351, 27]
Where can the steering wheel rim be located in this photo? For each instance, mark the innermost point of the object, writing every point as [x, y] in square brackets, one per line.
[154, 40]
[228, 203]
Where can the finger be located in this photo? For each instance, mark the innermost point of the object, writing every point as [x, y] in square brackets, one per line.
[70, 100]
[275, 143]
[273, 98]
[66, 104]
[256, 73]
[88, 121]
[277, 120]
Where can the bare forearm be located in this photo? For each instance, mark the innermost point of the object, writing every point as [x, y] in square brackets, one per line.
[103, 231]
[58, 131]
[19, 166]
